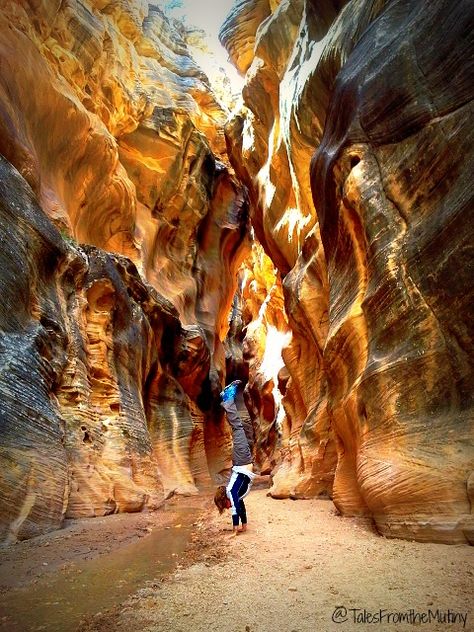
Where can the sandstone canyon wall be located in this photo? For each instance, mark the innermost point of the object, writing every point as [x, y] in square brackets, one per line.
[355, 140]
[258, 333]
[123, 227]
[111, 351]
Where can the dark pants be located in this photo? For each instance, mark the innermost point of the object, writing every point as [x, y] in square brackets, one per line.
[238, 487]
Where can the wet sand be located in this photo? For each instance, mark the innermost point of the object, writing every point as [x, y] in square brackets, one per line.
[53, 582]
[299, 568]
[303, 568]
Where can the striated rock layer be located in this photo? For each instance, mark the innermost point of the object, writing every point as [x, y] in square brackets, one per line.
[258, 333]
[271, 149]
[354, 139]
[112, 353]
[95, 414]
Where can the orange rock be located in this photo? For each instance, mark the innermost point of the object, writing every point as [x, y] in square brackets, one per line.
[371, 238]
[108, 118]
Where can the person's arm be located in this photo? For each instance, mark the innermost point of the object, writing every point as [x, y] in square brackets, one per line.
[233, 494]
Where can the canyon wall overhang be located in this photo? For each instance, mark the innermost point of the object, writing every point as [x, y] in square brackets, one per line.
[355, 140]
[111, 350]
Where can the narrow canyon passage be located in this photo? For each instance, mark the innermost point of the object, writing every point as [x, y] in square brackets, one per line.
[275, 191]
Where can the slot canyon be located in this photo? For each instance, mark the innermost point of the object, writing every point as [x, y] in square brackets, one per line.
[309, 233]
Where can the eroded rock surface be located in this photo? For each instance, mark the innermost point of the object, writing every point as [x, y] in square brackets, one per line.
[354, 141]
[258, 332]
[95, 417]
[374, 241]
[112, 124]
[271, 145]
[116, 130]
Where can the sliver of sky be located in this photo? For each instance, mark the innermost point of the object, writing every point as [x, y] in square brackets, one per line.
[209, 16]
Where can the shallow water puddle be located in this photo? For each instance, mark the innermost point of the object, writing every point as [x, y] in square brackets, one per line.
[57, 603]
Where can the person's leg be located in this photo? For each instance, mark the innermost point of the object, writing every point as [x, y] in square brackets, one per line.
[245, 489]
[232, 412]
[240, 449]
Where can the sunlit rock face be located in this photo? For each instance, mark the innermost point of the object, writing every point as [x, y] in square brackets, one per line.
[96, 413]
[112, 124]
[373, 240]
[258, 332]
[240, 28]
[271, 144]
[115, 128]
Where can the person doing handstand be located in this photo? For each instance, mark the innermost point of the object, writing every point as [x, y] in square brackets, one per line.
[242, 475]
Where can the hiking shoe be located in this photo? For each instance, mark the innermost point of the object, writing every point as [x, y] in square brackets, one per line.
[230, 391]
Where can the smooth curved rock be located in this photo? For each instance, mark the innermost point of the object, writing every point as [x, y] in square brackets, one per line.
[115, 127]
[33, 357]
[238, 32]
[270, 144]
[373, 241]
[259, 331]
[107, 117]
[109, 389]
[75, 364]
[394, 215]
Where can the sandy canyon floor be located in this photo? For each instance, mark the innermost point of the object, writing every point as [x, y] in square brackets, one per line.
[299, 568]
